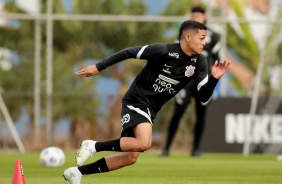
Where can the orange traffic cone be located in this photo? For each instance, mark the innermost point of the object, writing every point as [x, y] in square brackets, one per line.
[18, 177]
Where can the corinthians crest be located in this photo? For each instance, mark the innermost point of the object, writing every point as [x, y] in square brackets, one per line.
[125, 119]
[190, 70]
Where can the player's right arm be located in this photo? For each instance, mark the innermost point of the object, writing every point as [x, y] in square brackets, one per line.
[206, 84]
[146, 52]
[88, 71]
[115, 58]
[139, 52]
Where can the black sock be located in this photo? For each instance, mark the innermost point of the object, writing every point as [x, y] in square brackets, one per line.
[113, 145]
[99, 166]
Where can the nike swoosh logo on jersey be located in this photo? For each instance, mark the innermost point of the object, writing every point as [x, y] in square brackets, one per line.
[167, 66]
[166, 71]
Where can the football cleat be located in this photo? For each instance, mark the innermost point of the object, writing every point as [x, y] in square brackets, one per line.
[87, 148]
[72, 175]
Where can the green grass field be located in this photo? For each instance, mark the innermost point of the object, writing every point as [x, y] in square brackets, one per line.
[151, 169]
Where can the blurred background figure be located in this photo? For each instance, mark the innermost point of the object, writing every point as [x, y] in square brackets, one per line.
[183, 99]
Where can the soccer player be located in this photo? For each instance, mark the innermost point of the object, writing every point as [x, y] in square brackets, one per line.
[169, 68]
[183, 98]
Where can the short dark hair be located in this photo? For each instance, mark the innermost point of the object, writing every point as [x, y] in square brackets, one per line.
[190, 25]
[198, 9]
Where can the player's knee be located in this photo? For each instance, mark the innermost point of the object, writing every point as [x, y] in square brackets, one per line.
[131, 158]
[145, 145]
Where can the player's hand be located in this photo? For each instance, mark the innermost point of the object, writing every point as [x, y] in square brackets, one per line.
[88, 71]
[220, 68]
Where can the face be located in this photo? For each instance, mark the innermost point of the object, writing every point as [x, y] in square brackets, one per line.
[199, 17]
[196, 41]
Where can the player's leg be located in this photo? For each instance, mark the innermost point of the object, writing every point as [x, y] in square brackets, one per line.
[182, 100]
[141, 142]
[132, 116]
[136, 137]
[105, 164]
[124, 144]
[141, 139]
[199, 127]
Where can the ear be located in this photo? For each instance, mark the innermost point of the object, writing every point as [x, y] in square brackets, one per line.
[188, 37]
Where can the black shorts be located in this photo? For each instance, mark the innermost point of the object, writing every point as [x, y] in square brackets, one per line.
[132, 115]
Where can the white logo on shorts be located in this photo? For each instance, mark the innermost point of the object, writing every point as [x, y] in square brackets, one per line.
[125, 119]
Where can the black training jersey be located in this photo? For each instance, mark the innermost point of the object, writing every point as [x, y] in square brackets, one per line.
[167, 71]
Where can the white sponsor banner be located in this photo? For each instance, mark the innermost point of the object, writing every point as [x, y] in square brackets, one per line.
[263, 129]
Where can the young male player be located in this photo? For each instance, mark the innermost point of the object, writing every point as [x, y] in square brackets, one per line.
[169, 68]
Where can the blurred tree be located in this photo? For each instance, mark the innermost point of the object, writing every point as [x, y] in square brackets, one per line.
[75, 45]
[17, 81]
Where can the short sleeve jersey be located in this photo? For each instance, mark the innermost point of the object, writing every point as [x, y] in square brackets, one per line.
[167, 71]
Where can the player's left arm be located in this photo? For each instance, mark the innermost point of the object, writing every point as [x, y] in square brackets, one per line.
[220, 68]
[205, 83]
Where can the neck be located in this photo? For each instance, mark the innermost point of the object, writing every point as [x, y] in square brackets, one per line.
[184, 47]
